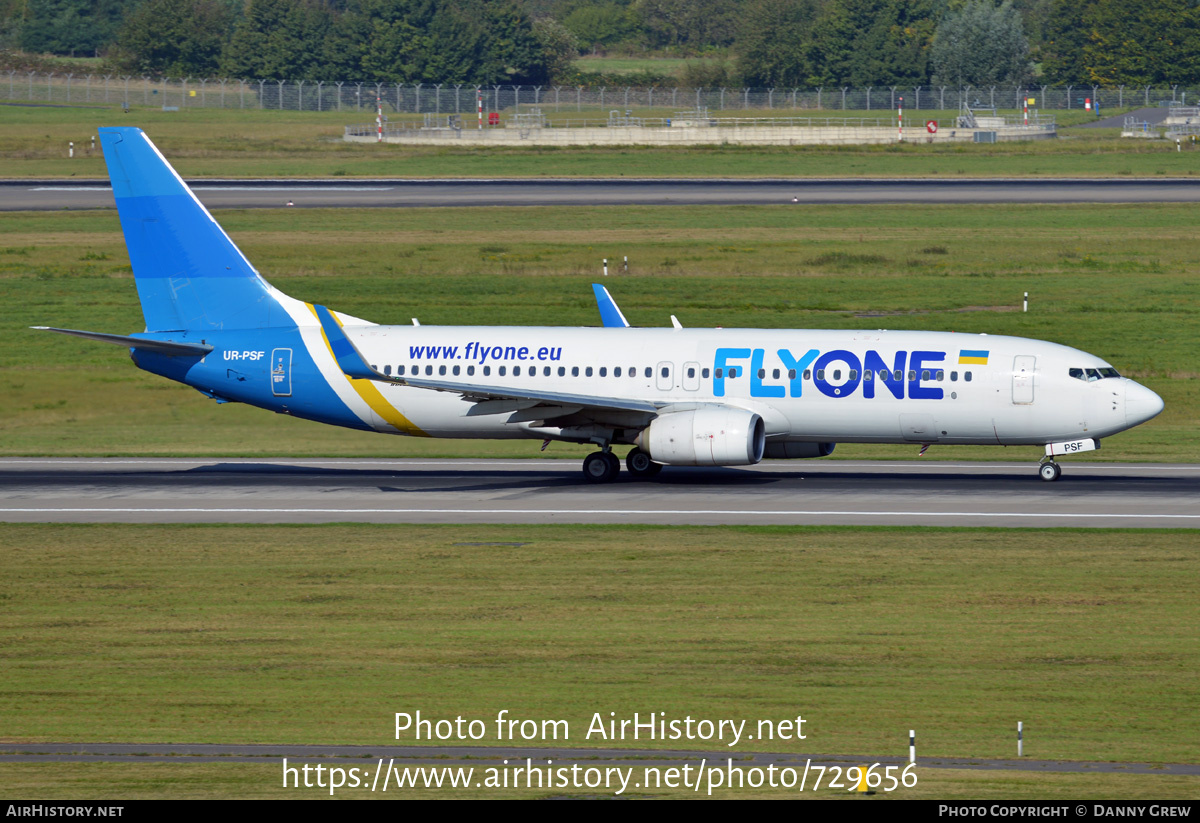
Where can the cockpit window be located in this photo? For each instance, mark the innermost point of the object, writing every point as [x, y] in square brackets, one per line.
[1092, 375]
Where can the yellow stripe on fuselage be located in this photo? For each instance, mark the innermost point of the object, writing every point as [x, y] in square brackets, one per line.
[369, 392]
[972, 361]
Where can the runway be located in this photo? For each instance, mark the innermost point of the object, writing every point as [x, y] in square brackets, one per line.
[810, 492]
[399, 193]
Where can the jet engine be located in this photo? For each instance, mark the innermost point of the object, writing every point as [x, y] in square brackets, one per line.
[707, 436]
[795, 451]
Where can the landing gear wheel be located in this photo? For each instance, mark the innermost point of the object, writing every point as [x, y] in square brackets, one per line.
[601, 467]
[640, 465]
[1050, 471]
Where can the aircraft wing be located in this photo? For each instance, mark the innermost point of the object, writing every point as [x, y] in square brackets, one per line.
[529, 403]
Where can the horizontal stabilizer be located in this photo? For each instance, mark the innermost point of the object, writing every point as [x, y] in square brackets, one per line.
[161, 346]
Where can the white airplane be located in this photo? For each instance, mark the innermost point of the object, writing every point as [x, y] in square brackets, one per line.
[681, 397]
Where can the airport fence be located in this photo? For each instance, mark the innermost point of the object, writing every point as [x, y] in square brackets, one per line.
[464, 98]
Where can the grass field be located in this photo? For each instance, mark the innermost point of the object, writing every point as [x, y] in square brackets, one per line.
[319, 634]
[1117, 281]
[236, 143]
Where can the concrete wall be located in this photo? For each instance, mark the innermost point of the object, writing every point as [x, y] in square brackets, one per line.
[694, 136]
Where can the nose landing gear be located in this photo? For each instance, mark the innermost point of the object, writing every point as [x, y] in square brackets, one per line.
[1049, 470]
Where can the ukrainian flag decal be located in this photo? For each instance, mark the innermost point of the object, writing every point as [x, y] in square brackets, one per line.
[972, 357]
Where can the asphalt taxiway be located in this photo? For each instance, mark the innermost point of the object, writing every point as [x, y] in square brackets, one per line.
[917, 492]
[399, 193]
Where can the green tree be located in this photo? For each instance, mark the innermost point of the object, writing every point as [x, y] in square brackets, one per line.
[689, 23]
[278, 40]
[174, 37]
[559, 46]
[1118, 42]
[873, 43]
[605, 24]
[78, 27]
[511, 52]
[775, 43]
[981, 44]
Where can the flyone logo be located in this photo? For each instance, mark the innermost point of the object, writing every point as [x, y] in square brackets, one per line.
[838, 373]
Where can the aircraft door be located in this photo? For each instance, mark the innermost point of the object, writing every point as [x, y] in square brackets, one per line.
[1023, 368]
[691, 376]
[281, 372]
[663, 372]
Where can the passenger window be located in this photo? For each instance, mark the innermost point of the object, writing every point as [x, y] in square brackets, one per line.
[456, 371]
[939, 376]
[387, 370]
[487, 371]
[574, 371]
[649, 372]
[428, 371]
[502, 371]
[967, 376]
[470, 371]
[720, 373]
[588, 371]
[761, 374]
[925, 374]
[691, 371]
[791, 374]
[633, 371]
[546, 371]
[616, 371]
[807, 374]
[562, 371]
[775, 374]
[666, 372]
[733, 372]
[912, 375]
[868, 375]
[820, 374]
[854, 374]
[516, 371]
[899, 375]
[953, 377]
[704, 373]
[837, 374]
[604, 371]
[399, 371]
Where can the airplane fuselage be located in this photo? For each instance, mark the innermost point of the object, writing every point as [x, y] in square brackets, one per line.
[808, 385]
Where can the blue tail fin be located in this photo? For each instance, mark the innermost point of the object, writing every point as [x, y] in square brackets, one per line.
[189, 274]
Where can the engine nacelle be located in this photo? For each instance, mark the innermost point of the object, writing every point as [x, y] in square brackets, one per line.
[795, 451]
[708, 436]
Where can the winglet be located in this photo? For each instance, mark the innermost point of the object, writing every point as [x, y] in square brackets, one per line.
[349, 359]
[610, 315]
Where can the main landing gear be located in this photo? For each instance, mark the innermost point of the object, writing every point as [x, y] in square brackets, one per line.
[640, 465]
[603, 466]
[1049, 470]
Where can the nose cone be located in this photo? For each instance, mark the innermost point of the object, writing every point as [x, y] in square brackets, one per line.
[1141, 404]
